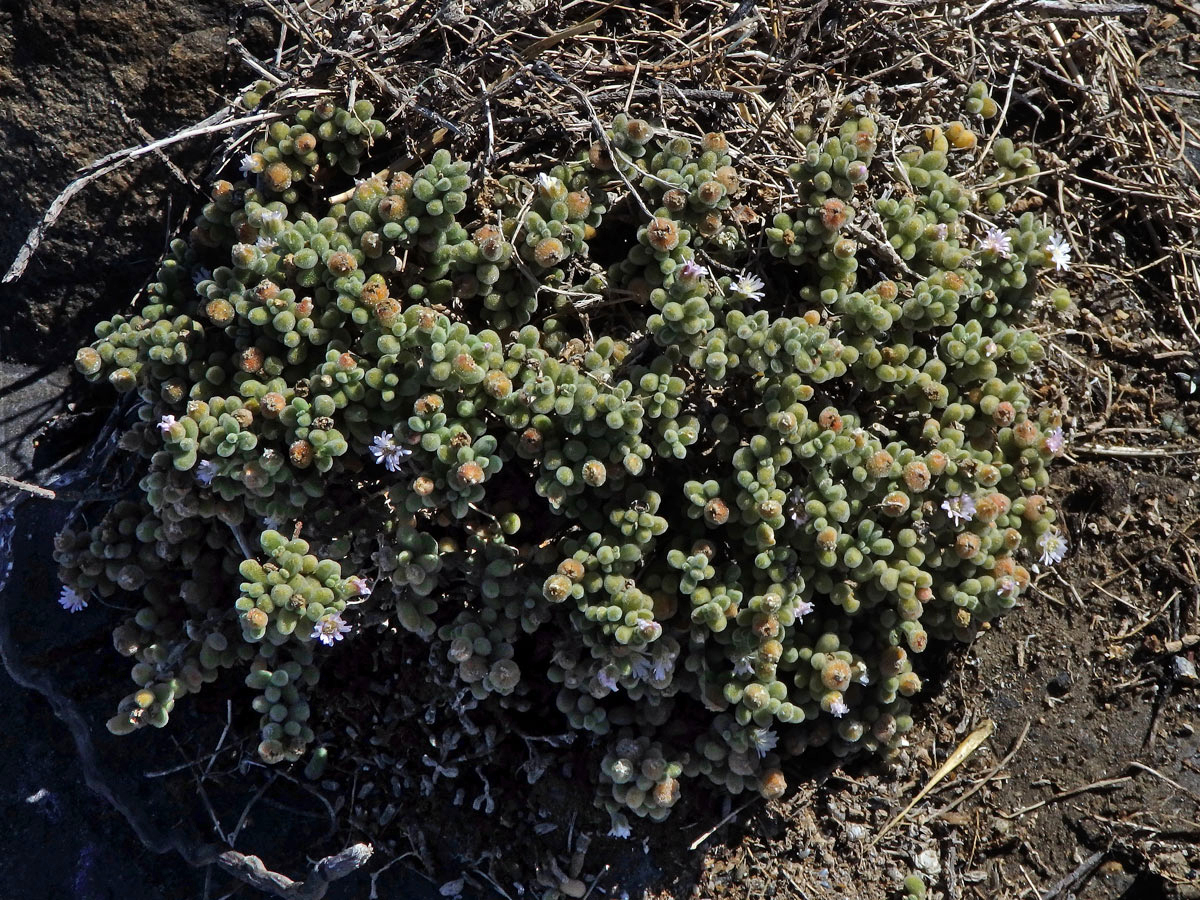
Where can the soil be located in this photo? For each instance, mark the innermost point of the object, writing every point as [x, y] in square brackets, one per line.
[81, 80]
[1090, 683]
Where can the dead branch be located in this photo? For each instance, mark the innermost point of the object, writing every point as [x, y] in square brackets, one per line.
[250, 869]
[218, 122]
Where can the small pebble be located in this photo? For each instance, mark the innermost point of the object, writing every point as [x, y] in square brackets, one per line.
[1060, 684]
[573, 887]
[1184, 670]
[927, 861]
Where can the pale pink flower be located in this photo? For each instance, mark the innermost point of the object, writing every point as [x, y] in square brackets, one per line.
[330, 629]
[71, 600]
[763, 740]
[998, 242]
[1007, 586]
[606, 678]
[387, 452]
[1053, 547]
[960, 508]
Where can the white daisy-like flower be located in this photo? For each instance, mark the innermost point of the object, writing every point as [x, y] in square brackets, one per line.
[803, 608]
[264, 244]
[749, 287]
[1060, 252]
[1053, 547]
[642, 666]
[359, 585]
[201, 274]
[997, 241]
[550, 186]
[252, 164]
[942, 231]
[206, 469]
[387, 452]
[330, 629]
[664, 665]
[763, 740]
[744, 665]
[72, 601]
[272, 523]
[959, 508]
[1007, 586]
[692, 270]
[620, 826]
[838, 708]
[270, 217]
[382, 445]
[166, 423]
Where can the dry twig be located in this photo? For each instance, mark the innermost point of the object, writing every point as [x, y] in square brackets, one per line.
[961, 754]
[251, 870]
[1102, 784]
[218, 122]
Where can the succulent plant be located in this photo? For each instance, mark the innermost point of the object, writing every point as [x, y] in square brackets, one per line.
[710, 501]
